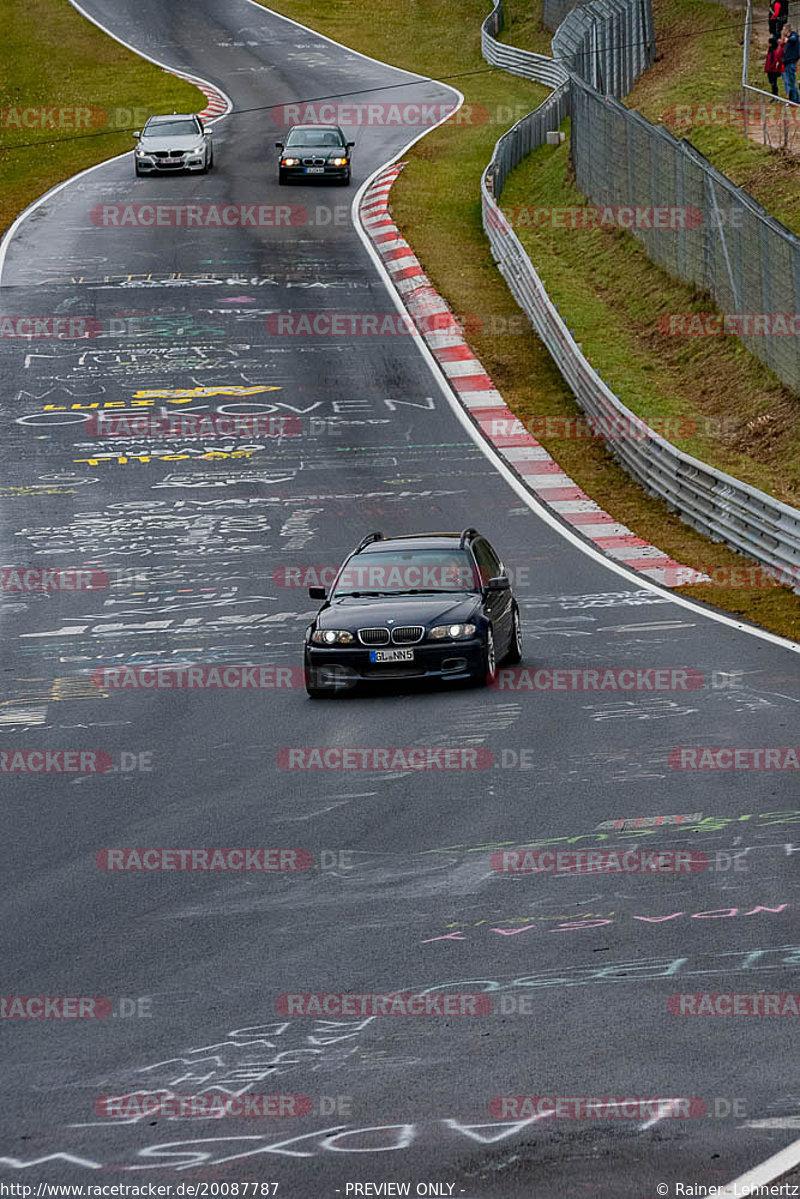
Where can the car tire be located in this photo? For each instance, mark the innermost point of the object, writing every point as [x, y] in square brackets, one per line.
[313, 691]
[487, 671]
[136, 170]
[514, 654]
[282, 178]
[345, 182]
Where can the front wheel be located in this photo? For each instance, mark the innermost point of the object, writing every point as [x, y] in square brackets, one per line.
[282, 178]
[514, 654]
[312, 690]
[487, 671]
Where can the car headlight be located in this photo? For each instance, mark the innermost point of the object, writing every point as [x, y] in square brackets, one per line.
[452, 632]
[339, 162]
[197, 149]
[289, 162]
[142, 154]
[332, 637]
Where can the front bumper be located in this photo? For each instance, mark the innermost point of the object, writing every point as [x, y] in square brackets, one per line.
[157, 166]
[341, 668]
[308, 175]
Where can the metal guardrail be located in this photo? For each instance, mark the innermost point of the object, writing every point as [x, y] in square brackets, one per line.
[722, 507]
[538, 67]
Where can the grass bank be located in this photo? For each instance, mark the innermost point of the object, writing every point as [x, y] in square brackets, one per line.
[69, 97]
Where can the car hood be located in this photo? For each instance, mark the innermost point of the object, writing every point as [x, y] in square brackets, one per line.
[428, 610]
[315, 152]
[182, 142]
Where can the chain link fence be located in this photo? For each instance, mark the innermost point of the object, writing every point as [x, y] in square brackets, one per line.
[609, 43]
[729, 246]
[554, 12]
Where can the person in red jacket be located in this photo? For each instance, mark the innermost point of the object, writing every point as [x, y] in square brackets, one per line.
[774, 63]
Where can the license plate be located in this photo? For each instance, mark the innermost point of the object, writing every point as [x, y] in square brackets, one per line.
[315, 170]
[391, 655]
[171, 162]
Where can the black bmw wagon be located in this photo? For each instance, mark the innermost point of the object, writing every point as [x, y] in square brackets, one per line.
[422, 606]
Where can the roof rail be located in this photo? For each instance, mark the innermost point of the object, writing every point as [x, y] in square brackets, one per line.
[366, 541]
[466, 536]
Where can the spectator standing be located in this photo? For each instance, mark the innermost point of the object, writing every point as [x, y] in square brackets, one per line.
[774, 63]
[791, 53]
[777, 18]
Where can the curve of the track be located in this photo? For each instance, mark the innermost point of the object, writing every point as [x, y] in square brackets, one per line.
[192, 543]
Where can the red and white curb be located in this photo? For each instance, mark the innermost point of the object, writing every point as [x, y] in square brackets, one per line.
[219, 105]
[476, 392]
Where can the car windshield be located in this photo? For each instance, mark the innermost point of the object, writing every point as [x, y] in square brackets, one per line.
[314, 137]
[408, 572]
[170, 129]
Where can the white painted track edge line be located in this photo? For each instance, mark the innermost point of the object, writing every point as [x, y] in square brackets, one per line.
[768, 1171]
[32, 207]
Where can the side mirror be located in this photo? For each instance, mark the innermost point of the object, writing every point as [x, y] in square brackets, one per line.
[317, 593]
[350, 145]
[136, 133]
[279, 145]
[500, 583]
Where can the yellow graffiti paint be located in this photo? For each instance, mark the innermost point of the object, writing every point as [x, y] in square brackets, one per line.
[127, 459]
[202, 392]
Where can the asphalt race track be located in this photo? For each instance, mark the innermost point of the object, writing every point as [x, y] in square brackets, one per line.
[196, 539]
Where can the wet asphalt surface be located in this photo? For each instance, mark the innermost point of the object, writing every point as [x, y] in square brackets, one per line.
[196, 538]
